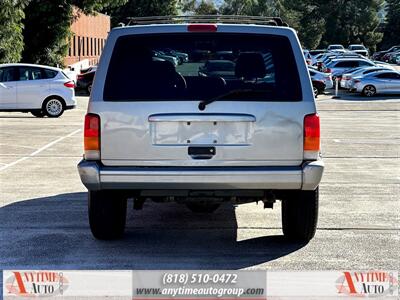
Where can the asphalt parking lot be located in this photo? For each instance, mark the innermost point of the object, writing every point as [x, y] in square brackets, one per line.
[43, 215]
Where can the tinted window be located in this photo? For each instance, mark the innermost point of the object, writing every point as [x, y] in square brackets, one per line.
[365, 63]
[316, 52]
[30, 73]
[387, 75]
[336, 47]
[258, 67]
[48, 74]
[346, 64]
[7, 74]
[371, 71]
[312, 73]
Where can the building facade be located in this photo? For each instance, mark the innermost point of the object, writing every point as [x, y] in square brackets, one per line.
[89, 36]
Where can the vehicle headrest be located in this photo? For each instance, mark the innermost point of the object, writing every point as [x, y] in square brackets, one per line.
[250, 65]
[162, 67]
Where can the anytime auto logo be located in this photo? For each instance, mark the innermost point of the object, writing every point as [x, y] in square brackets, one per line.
[36, 283]
[367, 284]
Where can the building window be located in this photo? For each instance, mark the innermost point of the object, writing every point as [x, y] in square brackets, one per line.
[87, 46]
[74, 45]
[82, 43]
[91, 46]
[79, 46]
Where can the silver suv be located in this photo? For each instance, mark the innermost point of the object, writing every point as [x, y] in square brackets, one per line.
[164, 132]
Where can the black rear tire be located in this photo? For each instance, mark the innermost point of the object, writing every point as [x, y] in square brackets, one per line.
[300, 215]
[107, 214]
[202, 208]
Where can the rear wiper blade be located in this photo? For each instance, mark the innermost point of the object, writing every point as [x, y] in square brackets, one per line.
[204, 103]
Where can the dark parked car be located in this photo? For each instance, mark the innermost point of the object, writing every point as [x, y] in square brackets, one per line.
[84, 81]
[318, 87]
[379, 55]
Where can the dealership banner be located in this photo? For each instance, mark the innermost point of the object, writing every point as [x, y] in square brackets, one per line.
[198, 285]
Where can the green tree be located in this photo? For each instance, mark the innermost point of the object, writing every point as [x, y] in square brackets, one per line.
[251, 7]
[11, 26]
[206, 8]
[142, 8]
[392, 29]
[351, 21]
[47, 27]
[305, 17]
[323, 22]
[203, 7]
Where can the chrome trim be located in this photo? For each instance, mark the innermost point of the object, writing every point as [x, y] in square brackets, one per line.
[202, 118]
[312, 174]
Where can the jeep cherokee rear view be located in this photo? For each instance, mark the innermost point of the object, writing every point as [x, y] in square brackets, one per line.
[245, 131]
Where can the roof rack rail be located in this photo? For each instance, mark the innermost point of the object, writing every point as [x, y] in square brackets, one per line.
[235, 19]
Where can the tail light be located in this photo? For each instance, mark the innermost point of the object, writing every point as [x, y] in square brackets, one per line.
[69, 84]
[328, 70]
[311, 144]
[91, 137]
[202, 27]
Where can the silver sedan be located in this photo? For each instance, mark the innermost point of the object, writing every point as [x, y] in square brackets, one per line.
[383, 82]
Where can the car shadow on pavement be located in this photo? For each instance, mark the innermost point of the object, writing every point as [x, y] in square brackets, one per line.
[349, 96]
[18, 117]
[53, 233]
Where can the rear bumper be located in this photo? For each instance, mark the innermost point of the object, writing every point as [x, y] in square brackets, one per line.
[96, 177]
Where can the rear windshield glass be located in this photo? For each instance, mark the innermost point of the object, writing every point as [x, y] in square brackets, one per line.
[202, 66]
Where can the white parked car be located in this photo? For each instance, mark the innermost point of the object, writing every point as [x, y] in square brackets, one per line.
[41, 90]
[382, 82]
[347, 78]
[336, 48]
[340, 66]
[359, 49]
[322, 76]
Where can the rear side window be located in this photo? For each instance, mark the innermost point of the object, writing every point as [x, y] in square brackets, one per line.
[365, 63]
[190, 67]
[30, 73]
[48, 74]
[347, 64]
[371, 71]
[7, 74]
[388, 76]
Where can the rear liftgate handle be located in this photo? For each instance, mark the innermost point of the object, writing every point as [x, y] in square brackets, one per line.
[201, 152]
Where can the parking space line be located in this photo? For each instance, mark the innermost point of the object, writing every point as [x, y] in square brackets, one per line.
[39, 150]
